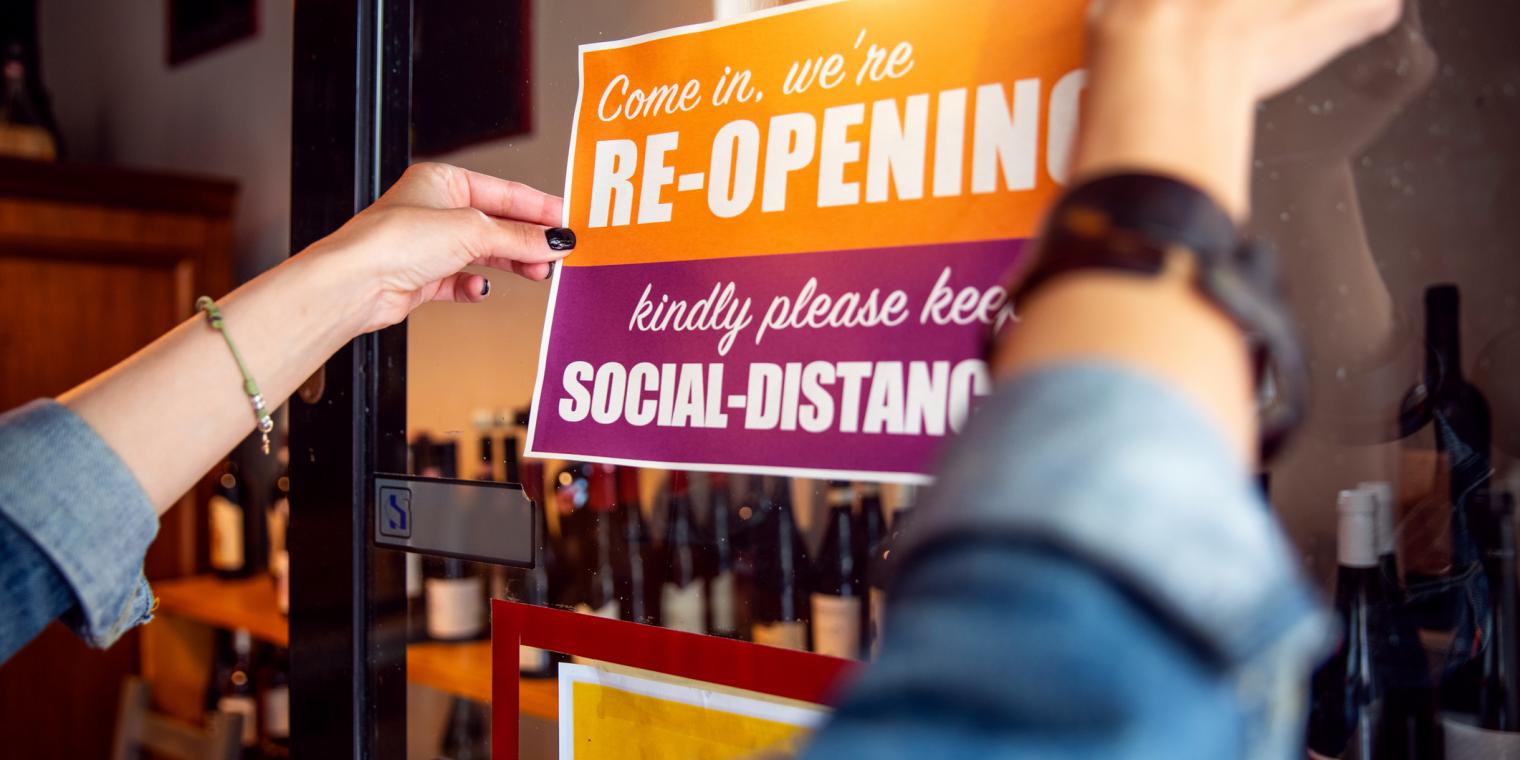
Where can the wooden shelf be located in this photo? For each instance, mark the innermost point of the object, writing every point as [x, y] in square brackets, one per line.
[246, 603]
[460, 669]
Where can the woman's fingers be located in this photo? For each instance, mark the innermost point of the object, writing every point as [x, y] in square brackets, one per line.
[487, 237]
[442, 186]
[531, 270]
[513, 200]
[462, 287]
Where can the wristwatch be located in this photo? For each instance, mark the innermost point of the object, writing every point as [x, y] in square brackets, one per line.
[1137, 224]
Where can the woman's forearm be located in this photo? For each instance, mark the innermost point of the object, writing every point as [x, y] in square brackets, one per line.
[175, 408]
[1162, 101]
[1174, 84]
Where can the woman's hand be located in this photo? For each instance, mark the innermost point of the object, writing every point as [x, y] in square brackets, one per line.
[411, 246]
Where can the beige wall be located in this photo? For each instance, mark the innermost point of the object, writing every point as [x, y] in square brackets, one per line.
[225, 113]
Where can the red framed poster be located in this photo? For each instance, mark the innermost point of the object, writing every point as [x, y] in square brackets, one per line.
[785, 673]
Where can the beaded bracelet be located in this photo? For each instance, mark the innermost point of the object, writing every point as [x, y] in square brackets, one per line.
[260, 411]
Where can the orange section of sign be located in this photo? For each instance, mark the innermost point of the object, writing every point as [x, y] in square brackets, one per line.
[825, 126]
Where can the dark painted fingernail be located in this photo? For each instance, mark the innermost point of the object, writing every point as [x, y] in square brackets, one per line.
[560, 238]
[485, 287]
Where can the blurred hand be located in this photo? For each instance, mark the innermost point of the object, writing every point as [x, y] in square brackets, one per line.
[1279, 42]
[411, 245]
[1336, 114]
[1172, 84]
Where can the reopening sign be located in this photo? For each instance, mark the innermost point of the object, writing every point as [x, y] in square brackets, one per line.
[793, 228]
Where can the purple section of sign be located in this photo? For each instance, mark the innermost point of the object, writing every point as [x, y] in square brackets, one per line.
[609, 314]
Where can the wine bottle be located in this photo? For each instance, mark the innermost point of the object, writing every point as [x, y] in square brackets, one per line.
[683, 596]
[531, 585]
[238, 528]
[638, 581]
[237, 694]
[1462, 427]
[279, 523]
[1381, 492]
[454, 590]
[455, 601]
[873, 528]
[837, 587]
[25, 127]
[416, 605]
[276, 707]
[599, 587]
[723, 601]
[485, 462]
[779, 608]
[572, 499]
[511, 443]
[878, 566]
[466, 736]
[420, 457]
[1498, 681]
[1458, 416]
[1369, 701]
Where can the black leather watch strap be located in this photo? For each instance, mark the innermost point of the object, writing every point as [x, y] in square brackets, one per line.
[1133, 223]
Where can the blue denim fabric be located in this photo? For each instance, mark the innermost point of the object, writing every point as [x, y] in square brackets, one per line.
[68, 502]
[39, 594]
[1093, 575]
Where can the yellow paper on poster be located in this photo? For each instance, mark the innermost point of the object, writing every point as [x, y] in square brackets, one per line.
[612, 724]
[607, 715]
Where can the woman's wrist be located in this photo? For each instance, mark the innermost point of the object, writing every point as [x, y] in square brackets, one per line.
[338, 287]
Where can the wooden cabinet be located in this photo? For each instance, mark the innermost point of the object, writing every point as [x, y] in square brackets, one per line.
[94, 264]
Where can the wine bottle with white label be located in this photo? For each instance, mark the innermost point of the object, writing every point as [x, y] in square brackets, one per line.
[683, 596]
[455, 590]
[638, 582]
[238, 529]
[779, 609]
[836, 598]
[455, 596]
[723, 595]
[1369, 701]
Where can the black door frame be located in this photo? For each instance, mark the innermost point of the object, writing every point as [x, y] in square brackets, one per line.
[350, 120]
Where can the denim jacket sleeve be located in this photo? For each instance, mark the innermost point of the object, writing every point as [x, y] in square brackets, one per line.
[74, 526]
[1092, 575]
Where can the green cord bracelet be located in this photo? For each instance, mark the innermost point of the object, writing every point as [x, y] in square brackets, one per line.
[260, 411]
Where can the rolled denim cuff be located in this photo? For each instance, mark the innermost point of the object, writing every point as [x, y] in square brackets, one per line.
[1127, 476]
[76, 500]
